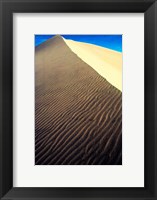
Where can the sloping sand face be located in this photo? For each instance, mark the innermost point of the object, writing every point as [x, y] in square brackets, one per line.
[106, 62]
[78, 113]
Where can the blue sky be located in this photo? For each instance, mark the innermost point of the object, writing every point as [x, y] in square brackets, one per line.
[113, 42]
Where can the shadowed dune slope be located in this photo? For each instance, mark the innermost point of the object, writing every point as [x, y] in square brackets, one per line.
[78, 114]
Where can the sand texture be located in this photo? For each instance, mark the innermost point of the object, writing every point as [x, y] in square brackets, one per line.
[78, 113]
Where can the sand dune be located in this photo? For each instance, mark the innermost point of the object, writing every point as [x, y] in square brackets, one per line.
[78, 113]
[106, 62]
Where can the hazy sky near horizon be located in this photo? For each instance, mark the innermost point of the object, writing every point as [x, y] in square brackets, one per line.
[113, 42]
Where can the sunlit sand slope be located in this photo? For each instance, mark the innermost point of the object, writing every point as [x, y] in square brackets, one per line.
[106, 62]
[78, 113]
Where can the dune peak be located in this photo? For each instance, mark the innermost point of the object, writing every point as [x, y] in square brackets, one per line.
[58, 37]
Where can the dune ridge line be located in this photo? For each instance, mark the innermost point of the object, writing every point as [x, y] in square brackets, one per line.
[107, 62]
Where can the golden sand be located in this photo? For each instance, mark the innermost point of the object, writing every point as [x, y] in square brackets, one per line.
[106, 62]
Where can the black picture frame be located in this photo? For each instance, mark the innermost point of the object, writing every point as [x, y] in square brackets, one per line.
[7, 8]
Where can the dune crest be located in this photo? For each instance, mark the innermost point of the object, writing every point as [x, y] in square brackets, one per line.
[106, 62]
